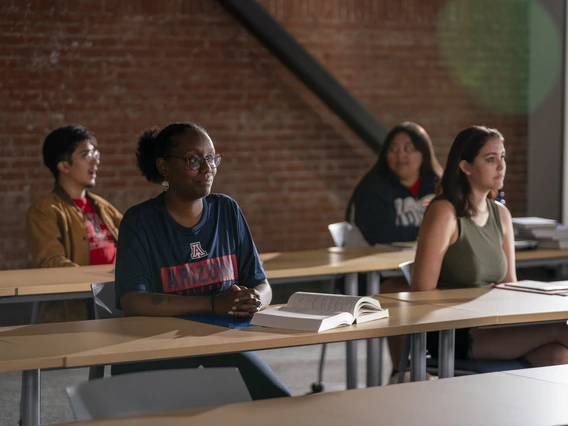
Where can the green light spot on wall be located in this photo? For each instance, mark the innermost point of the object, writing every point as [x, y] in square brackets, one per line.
[506, 53]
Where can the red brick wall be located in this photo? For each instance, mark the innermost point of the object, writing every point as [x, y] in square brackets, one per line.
[118, 67]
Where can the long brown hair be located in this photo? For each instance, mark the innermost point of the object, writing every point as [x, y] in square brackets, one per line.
[454, 185]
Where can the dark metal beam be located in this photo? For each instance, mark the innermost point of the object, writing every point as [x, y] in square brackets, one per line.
[314, 75]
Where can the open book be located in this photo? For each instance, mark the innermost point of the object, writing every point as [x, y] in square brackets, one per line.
[319, 312]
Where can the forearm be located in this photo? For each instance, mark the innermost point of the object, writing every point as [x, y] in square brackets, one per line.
[265, 293]
[138, 303]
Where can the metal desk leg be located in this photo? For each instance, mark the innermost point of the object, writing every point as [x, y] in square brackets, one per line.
[446, 347]
[351, 347]
[35, 312]
[30, 381]
[31, 388]
[375, 347]
[417, 357]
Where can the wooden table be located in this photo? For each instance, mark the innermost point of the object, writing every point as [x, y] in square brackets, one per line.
[60, 283]
[279, 267]
[510, 307]
[82, 343]
[38, 285]
[485, 399]
[136, 339]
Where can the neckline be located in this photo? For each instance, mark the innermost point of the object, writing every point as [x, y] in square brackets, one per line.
[488, 217]
[194, 229]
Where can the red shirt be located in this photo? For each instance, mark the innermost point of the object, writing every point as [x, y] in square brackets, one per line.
[416, 187]
[102, 245]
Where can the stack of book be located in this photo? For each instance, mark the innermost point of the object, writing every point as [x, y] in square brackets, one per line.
[548, 232]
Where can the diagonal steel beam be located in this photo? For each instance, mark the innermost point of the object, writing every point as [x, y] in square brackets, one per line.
[314, 75]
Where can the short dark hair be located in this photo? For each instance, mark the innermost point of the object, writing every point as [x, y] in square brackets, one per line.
[421, 141]
[61, 143]
[454, 185]
[155, 143]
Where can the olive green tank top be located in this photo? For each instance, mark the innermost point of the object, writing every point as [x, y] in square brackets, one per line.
[477, 258]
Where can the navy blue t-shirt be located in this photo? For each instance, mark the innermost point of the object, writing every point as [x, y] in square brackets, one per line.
[158, 255]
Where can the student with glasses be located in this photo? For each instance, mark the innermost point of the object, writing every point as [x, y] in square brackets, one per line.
[71, 226]
[388, 204]
[190, 252]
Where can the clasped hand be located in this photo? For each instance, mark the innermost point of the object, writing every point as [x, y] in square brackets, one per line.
[240, 302]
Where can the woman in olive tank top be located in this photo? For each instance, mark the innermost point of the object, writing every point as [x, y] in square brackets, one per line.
[467, 240]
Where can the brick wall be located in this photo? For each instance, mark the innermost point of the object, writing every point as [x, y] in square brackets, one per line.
[118, 67]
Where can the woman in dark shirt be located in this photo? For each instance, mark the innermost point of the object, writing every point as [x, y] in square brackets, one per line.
[190, 252]
[389, 202]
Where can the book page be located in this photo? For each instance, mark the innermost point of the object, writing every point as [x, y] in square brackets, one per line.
[540, 285]
[322, 302]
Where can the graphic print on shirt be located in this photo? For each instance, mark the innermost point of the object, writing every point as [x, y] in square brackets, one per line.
[194, 278]
[410, 211]
[98, 235]
[196, 251]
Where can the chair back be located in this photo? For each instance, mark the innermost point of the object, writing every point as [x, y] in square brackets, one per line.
[152, 391]
[345, 234]
[104, 301]
[406, 269]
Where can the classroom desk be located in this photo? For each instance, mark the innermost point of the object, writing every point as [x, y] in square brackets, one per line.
[85, 343]
[36, 285]
[279, 267]
[484, 399]
[556, 374]
[510, 307]
[32, 285]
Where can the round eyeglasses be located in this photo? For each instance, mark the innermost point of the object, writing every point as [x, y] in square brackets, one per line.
[91, 155]
[195, 162]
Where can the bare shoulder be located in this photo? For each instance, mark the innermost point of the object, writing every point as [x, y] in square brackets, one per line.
[442, 210]
[440, 219]
[504, 213]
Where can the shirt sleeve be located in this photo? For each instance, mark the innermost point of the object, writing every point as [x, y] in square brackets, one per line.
[133, 266]
[44, 239]
[251, 272]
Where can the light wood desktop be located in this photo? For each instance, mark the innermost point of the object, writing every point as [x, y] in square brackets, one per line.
[84, 343]
[24, 282]
[485, 399]
[285, 266]
[279, 267]
[511, 307]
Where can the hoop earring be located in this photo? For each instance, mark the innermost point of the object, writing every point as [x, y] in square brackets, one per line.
[165, 185]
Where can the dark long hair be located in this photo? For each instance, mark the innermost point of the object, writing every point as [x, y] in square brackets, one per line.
[454, 185]
[421, 141]
[430, 166]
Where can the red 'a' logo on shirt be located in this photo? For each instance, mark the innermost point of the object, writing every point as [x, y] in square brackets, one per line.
[196, 251]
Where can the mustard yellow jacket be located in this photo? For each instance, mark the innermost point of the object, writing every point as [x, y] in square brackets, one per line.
[57, 236]
[56, 233]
